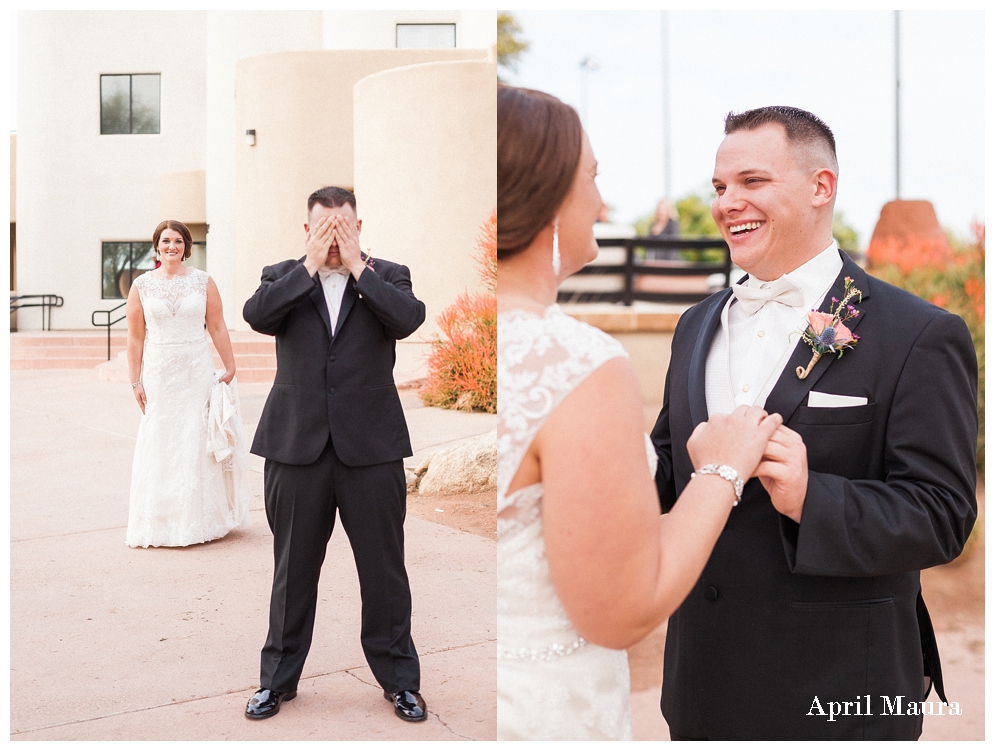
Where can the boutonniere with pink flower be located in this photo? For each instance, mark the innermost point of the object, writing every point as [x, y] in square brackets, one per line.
[367, 259]
[827, 333]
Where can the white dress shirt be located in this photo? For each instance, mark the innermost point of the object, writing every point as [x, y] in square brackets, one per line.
[333, 285]
[749, 352]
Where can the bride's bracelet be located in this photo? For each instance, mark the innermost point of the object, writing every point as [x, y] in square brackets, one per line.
[136, 383]
[726, 473]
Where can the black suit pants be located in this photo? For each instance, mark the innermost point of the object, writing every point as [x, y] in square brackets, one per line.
[301, 502]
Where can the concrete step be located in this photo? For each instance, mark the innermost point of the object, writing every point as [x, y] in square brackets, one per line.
[56, 363]
[255, 375]
[255, 354]
[80, 350]
[60, 350]
[62, 339]
[265, 347]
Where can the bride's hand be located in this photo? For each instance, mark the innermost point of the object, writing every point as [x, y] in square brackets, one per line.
[139, 392]
[737, 439]
[226, 376]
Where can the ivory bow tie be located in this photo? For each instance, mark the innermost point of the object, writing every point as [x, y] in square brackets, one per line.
[324, 271]
[781, 290]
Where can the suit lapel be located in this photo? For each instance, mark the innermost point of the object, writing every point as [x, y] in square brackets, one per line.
[348, 299]
[699, 357]
[318, 298]
[790, 390]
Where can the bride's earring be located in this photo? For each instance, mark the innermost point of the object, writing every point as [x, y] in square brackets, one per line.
[556, 246]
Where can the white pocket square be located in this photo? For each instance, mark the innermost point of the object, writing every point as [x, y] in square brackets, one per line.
[818, 399]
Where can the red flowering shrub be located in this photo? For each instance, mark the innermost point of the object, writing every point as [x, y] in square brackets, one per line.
[952, 278]
[486, 258]
[462, 364]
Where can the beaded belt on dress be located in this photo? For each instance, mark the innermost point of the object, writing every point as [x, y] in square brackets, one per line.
[171, 342]
[552, 652]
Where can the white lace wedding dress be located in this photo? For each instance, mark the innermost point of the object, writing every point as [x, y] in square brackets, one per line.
[180, 494]
[551, 683]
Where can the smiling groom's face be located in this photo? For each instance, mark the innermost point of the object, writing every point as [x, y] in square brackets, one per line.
[767, 201]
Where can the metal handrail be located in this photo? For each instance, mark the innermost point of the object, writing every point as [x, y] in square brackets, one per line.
[108, 323]
[633, 267]
[48, 302]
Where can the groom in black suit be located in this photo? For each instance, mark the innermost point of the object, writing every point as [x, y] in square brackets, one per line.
[808, 621]
[334, 437]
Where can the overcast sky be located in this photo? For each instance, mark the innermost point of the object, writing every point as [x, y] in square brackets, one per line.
[839, 65]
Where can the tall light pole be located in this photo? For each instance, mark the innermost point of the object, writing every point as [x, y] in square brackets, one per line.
[665, 49]
[587, 66]
[898, 110]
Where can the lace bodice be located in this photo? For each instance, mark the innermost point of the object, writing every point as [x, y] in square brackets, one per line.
[540, 361]
[175, 309]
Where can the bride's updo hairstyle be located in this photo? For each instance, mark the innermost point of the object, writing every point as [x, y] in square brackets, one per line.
[539, 139]
[177, 227]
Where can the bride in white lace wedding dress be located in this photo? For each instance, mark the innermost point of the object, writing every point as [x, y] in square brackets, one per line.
[189, 480]
[587, 566]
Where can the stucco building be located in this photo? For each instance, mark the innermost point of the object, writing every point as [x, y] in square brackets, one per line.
[227, 121]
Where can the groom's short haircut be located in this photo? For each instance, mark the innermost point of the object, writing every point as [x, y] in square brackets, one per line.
[331, 198]
[801, 128]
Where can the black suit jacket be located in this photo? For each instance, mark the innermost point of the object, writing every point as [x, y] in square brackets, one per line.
[831, 608]
[341, 385]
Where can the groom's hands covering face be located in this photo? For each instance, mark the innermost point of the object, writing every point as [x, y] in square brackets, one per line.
[319, 240]
[345, 234]
[783, 471]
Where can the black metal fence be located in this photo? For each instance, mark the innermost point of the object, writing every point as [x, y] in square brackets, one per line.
[45, 302]
[676, 270]
[108, 322]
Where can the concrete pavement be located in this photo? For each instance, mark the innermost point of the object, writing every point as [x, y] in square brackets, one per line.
[111, 643]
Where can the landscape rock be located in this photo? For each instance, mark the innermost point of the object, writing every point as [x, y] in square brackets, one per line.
[468, 467]
[413, 474]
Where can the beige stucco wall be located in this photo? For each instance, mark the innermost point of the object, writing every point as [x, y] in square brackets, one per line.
[13, 177]
[181, 197]
[75, 187]
[301, 106]
[425, 156]
[231, 36]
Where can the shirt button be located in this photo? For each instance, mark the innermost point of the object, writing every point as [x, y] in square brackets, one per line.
[760, 333]
[746, 387]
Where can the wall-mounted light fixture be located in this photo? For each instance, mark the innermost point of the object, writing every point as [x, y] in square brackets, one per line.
[250, 137]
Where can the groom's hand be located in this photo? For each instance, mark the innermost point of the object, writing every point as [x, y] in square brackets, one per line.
[783, 471]
[319, 240]
[346, 235]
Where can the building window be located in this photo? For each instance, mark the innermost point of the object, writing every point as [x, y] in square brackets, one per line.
[426, 36]
[129, 103]
[122, 263]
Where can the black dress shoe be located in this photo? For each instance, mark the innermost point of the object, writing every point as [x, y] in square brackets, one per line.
[408, 705]
[265, 703]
